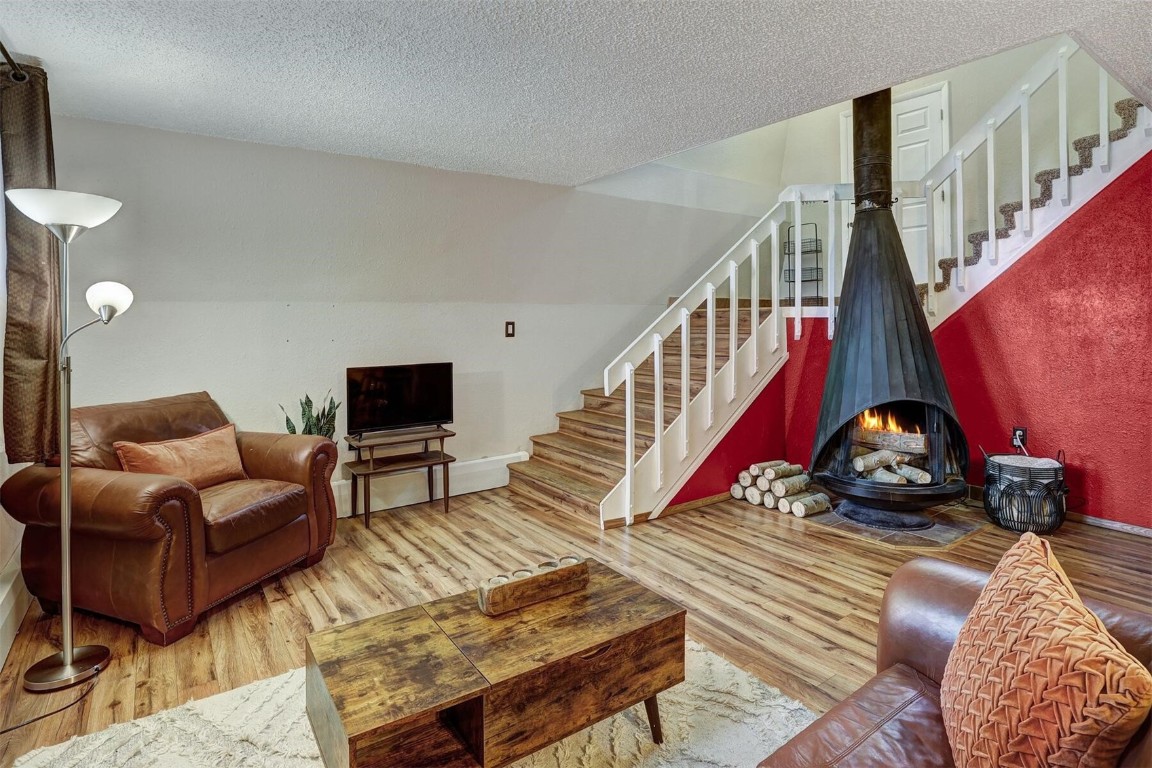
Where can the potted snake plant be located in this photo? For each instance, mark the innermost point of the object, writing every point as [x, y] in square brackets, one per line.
[312, 421]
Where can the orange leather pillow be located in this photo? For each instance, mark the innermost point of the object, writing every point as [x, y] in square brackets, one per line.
[204, 460]
[1034, 679]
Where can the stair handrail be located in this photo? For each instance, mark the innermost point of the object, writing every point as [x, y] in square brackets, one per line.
[1017, 98]
[670, 319]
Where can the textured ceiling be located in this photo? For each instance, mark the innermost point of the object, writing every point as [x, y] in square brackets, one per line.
[559, 92]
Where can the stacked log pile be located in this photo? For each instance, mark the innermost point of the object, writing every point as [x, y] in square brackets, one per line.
[782, 486]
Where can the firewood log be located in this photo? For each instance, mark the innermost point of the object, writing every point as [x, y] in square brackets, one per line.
[770, 500]
[790, 485]
[882, 475]
[786, 502]
[915, 474]
[763, 483]
[782, 471]
[737, 491]
[877, 459]
[810, 505]
[744, 478]
[753, 495]
[756, 470]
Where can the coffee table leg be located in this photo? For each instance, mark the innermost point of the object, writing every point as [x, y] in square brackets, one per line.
[652, 707]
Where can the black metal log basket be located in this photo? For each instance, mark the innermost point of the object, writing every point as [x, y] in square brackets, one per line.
[1025, 498]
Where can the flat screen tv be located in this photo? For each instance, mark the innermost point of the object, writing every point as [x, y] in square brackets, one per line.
[397, 396]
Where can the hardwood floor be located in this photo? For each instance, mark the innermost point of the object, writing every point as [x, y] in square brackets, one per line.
[791, 602]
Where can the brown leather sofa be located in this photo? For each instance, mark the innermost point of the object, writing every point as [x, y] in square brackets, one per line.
[152, 550]
[894, 720]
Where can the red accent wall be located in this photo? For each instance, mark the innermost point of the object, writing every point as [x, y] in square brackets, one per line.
[1061, 343]
[758, 434]
[803, 387]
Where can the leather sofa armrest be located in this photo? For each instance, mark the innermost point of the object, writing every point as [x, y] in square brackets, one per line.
[288, 458]
[308, 460]
[105, 502]
[925, 604]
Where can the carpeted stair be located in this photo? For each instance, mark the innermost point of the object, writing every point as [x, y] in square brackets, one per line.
[1127, 109]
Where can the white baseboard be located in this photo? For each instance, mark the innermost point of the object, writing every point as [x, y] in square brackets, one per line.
[1113, 525]
[14, 602]
[412, 487]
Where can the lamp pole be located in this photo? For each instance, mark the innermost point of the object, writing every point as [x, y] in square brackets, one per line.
[49, 207]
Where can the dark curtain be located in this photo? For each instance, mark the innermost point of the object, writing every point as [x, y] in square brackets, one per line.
[32, 330]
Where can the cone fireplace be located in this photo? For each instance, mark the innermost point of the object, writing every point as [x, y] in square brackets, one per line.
[887, 440]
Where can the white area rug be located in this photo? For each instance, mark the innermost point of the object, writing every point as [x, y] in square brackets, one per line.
[720, 716]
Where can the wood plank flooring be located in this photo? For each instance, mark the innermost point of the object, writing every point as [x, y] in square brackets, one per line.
[794, 603]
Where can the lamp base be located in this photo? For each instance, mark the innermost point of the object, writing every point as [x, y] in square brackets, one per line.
[52, 674]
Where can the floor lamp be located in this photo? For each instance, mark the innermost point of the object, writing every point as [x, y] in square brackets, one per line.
[67, 215]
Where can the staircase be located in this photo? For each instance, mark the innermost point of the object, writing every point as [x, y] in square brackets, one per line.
[574, 468]
[674, 392]
[1129, 112]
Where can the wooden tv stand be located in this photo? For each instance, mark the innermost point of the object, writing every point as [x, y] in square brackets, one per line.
[368, 464]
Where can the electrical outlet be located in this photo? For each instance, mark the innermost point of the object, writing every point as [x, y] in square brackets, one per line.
[1019, 437]
[509, 328]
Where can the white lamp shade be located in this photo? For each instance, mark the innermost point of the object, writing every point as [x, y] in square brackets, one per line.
[55, 206]
[109, 294]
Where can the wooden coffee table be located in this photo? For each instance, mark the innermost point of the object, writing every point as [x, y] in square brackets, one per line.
[441, 684]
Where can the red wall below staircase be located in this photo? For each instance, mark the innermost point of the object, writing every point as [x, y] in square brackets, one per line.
[758, 433]
[1061, 343]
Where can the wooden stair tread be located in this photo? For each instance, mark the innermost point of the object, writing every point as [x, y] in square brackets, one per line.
[582, 487]
[601, 419]
[604, 452]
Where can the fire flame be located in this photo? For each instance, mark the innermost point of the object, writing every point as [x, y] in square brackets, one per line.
[871, 419]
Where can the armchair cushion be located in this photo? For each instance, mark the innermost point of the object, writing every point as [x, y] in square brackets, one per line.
[1034, 678]
[241, 511]
[204, 460]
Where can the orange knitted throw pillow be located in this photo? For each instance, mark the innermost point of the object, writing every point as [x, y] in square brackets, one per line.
[206, 459]
[1034, 679]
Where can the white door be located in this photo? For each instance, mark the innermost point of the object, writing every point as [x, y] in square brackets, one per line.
[919, 139]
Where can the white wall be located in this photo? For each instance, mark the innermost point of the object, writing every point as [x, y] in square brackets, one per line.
[263, 272]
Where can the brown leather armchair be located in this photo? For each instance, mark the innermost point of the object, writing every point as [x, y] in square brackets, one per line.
[151, 549]
[894, 719]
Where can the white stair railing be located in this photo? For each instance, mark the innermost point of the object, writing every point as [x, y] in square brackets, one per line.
[677, 449]
[1067, 192]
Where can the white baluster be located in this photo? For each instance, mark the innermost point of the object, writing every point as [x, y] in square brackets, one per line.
[1105, 140]
[754, 306]
[960, 255]
[797, 264]
[930, 249]
[658, 419]
[1062, 91]
[1025, 162]
[630, 441]
[774, 244]
[685, 371]
[993, 250]
[733, 323]
[710, 357]
[830, 259]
